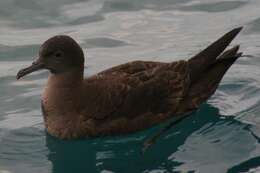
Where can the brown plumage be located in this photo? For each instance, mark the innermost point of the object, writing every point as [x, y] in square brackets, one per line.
[128, 97]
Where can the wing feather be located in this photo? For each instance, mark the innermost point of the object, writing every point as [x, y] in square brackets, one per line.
[138, 88]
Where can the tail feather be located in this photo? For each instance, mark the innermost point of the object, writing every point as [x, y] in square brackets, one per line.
[230, 54]
[208, 82]
[208, 56]
[217, 70]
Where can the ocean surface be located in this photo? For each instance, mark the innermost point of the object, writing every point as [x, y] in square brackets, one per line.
[223, 136]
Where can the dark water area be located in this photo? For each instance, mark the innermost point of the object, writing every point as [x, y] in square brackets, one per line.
[223, 136]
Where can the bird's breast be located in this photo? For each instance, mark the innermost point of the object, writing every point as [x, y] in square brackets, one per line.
[61, 109]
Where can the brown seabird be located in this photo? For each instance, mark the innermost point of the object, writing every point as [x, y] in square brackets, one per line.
[128, 97]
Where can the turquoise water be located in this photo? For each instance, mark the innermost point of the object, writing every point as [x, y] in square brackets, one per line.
[223, 136]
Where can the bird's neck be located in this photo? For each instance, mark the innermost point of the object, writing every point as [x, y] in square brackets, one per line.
[63, 92]
[68, 79]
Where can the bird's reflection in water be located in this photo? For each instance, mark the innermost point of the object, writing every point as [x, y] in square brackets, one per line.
[123, 153]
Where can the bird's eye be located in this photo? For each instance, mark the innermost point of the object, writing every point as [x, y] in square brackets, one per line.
[58, 54]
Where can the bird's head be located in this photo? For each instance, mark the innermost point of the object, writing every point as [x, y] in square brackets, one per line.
[58, 54]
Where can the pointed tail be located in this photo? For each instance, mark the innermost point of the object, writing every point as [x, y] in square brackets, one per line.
[206, 85]
[200, 62]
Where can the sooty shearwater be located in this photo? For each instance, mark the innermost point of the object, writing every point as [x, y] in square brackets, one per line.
[128, 97]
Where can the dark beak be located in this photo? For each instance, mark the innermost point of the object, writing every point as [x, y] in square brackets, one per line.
[36, 65]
